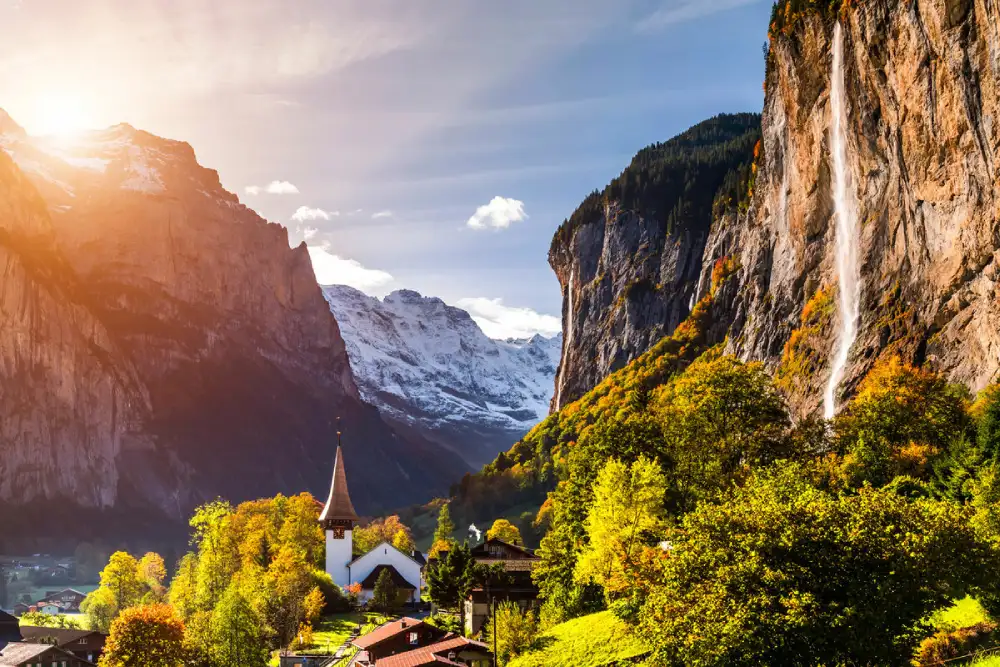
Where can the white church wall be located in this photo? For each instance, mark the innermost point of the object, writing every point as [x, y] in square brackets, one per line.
[339, 553]
[385, 554]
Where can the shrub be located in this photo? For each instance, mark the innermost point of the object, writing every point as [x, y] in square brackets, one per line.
[948, 645]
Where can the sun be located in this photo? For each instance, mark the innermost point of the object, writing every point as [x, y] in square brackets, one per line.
[59, 115]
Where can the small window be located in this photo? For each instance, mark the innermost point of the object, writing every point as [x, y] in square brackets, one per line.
[83, 640]
[414, 638]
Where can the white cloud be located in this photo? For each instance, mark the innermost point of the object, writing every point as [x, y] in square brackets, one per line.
[331, 269]
[281, 188]
[309, 233]
[273, 188]
[500, 321]
[679, 11]
[498, 214]
[303, 213]
[381, 214]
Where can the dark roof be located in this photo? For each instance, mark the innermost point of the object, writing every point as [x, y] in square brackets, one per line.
[432, 653]
[62, 636]
[397, 579]
[386, 631]
[482, 550]
[419, 557]
[17, 653]
[338, 503]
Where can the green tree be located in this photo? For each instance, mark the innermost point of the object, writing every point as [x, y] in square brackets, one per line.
[783, 573]
[385, 596]
[626, 514]
[515, 630]
[450, 577]
[445, 527]
[504, 530]
[147, 636]
[100, 608]
[183, 587]
[236, 637]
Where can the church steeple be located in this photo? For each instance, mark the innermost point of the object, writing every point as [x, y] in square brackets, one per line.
[339, 511]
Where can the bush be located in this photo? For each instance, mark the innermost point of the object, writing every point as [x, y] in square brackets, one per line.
[948, 645]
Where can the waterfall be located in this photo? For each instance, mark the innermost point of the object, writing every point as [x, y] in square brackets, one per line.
[568, 340]
[848, 273]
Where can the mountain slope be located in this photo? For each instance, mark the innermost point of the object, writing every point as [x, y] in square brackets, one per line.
[235, 366]
[429, 366]
[629, 258]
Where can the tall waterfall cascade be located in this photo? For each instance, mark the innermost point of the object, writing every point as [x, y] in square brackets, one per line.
[568, 338]
[847, 233]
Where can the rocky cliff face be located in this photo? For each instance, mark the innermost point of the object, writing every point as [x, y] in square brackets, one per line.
[429, 366]
[173, 347]
[629, 258]
[921, 148]
[920, 83]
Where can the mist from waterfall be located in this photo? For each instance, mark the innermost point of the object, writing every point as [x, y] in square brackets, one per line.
[568, 341]
[848, 272]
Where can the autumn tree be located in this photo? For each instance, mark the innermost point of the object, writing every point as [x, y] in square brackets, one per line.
[505, 531]
[389, 529]
[237, 639]
[627, 513]
[515, 630]
[146, 636]
[445, 526]
[780, 572]
[152, 572]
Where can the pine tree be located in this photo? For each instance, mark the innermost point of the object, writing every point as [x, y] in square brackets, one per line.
[386, 595]
[451, 576]
[445, 526]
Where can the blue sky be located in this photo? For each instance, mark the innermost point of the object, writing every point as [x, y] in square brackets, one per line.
[392, 123]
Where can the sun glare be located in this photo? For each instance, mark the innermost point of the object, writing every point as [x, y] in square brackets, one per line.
[59, 115]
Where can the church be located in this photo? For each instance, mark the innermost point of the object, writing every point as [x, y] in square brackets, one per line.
[338, 520]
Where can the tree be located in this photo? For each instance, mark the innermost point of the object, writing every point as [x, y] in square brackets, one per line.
[236, 637]
[385, 596]
[627, 513]
[389, 529]
[147, 636]
[451, 576]
[781, 572]
[152, 572]
[100, 609]
[505, 531]
[183, 587]
[445, 526]
[515, 630]
[42, 620]
[121, 578]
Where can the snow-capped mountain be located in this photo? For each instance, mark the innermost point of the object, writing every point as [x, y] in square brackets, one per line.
[428, 365]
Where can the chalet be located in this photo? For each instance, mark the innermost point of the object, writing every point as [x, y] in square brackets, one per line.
[451, 650]
[338, 520]
[9, 629]
[84, 644]
[518, 563]
[394, 637]
[68, 599]
[32, 655]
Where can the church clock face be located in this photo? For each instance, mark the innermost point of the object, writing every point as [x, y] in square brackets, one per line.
[338, 532]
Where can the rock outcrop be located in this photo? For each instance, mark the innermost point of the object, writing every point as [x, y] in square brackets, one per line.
[629, 258]
[163, 345]
[428, 366]
[922, 148]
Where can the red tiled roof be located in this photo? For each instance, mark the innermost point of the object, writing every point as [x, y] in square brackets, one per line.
[430, 655]
[386, 631]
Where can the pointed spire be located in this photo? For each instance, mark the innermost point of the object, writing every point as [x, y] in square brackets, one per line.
[338, 504]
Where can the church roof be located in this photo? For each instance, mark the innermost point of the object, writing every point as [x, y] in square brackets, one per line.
[338, 504]
[397, 579]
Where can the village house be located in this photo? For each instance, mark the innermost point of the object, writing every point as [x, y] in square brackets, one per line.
[84, 644]
[518, 563]
[20, 654]
[451, 650]
[395, 637]
[338, 520]
[68, 600]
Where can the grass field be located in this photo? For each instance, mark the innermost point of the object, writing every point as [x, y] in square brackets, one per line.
[588, 641]
[332, 631]
[962, 614]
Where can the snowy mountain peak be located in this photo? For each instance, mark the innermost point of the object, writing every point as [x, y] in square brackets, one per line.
[428, 365]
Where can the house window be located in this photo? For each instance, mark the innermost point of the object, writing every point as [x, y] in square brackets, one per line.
[413, 638]
[83, 640]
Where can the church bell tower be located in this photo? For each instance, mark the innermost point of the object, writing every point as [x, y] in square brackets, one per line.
[338, 519]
